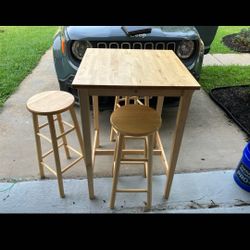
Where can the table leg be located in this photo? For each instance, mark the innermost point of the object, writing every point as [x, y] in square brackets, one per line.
[96, 140]
[96, 118]
[179, 129]
[85, 117]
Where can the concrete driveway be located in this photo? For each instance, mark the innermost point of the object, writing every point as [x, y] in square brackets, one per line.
[210, 140]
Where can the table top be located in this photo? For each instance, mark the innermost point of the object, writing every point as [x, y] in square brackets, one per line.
[133, 68]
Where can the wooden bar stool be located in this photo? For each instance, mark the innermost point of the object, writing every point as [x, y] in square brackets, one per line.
[125, 100]
[157, 143]
[134, 120]
[50, 104]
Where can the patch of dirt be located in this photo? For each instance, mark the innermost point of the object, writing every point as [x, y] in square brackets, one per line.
[236, 103]
[235, 45]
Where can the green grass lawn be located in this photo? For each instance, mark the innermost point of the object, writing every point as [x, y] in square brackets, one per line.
[221, 76]
[21, 47]
[217, 46]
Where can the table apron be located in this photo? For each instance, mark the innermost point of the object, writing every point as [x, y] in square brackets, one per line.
[131, 92]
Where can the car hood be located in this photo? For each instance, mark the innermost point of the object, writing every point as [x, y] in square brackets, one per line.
[113, 32]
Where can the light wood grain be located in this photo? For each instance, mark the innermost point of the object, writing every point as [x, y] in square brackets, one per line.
[149, 171]
[56, 155]
[121, 72]
[84, 106]
[135, 120]
[50, 102]
[65, 143]
[134, 68]
[38, 144]
[116, 169]
[177, 138]
[127, 100]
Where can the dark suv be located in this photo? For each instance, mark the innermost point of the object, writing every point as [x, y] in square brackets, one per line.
[190, 43]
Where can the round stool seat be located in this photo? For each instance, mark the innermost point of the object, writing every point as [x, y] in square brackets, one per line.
[135, 120]
[50, 102]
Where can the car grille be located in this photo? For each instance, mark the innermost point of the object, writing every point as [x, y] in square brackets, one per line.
[136, 45]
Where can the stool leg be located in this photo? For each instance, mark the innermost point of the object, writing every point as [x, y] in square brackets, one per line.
[56, 154]
[77, 128]
[38, 144]
[65, 143]
[146, 100]
[146, 157]
[123, 147]
[119, 142]
[149, 180]
[127, 100]
[115, 155]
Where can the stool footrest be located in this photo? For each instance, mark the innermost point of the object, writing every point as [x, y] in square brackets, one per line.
[132, 190]
[72, 164]
[139, 102]
[135, 137]
[50, 151]
[129, 160]
[55, 119]
[100, 151]
[58, 137]
[46, 123]
[74, 150]
[49, 168]
[65, 133]
[63, 170]
[163, 156]
[132, 162]
[68, 124]
[44, 137]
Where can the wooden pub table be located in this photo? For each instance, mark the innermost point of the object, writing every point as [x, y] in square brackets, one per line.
[132, 72]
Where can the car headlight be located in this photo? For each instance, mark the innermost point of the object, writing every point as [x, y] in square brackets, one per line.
[185, 49]
[79, 47]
